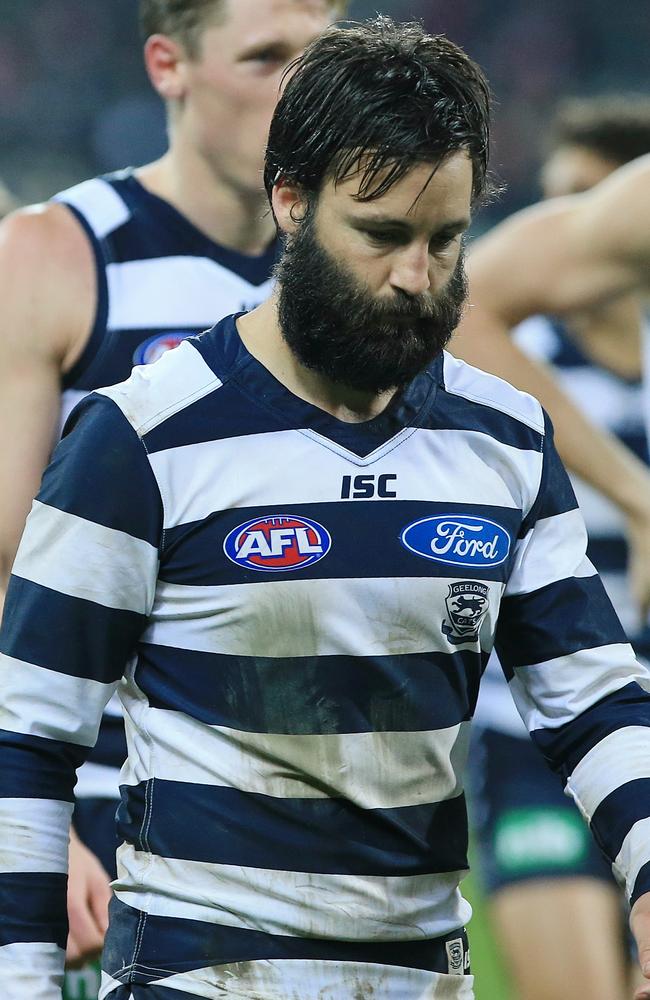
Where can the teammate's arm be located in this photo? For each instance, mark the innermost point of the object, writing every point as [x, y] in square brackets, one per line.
[81, 589]
[556, 258]
[47, 302]
[47, 295]
[640, 924]
[89, 894]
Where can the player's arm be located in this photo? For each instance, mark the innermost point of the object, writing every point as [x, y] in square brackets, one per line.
[89, 895]
[564, 255]
[47, 302]
[82, 586]
[581, 693]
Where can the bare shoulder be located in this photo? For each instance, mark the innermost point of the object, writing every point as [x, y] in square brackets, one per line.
[516, 269]
[47, 282]
[615, 219]
[569, 253]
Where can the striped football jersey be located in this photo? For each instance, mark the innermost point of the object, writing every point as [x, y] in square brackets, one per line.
[296, 612]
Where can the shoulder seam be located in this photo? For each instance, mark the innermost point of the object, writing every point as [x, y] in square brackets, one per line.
[143, 427]
[486, 401]
[179, 404]
[538, 424]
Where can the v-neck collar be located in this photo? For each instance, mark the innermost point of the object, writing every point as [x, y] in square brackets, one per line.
[407, 409]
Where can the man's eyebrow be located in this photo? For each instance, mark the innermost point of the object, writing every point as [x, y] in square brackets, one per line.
[390, 222]
[271, 44]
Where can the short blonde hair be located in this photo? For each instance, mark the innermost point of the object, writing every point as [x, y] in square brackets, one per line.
[186, 19]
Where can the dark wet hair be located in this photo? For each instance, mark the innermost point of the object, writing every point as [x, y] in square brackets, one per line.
[382, 97]
[613, 126]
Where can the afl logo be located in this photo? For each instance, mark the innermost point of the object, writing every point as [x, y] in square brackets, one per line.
[458, 540]
[277, 544]
[155, 347]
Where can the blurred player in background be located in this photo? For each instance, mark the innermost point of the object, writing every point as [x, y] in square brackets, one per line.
[117, 270]
[556, 907]
[562, 257]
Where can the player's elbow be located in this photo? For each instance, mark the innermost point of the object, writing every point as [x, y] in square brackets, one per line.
[6, 562]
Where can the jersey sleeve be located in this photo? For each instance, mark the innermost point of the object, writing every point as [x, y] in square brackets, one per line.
[574, 678]
[82, 586]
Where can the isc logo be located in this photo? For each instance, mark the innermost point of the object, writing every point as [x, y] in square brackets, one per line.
[277, 543]
[365, 487]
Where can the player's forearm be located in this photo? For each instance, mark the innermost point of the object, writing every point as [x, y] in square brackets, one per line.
[578, 687]
[607, 776]
[594, 455]
[36, 778]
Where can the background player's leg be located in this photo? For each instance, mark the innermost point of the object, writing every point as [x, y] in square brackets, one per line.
[562, 939]
[557, 913]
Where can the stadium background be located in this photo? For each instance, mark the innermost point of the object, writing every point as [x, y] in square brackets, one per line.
[75, 101]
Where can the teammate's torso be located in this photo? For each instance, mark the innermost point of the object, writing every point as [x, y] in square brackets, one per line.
[159, 280]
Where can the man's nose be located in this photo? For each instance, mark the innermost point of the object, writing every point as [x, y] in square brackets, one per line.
[410, 271]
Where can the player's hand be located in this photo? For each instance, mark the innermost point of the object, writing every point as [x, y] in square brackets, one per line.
[640, 924]
[638, 533]
[88, 898]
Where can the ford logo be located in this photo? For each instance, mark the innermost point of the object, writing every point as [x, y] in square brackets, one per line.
[458, 540]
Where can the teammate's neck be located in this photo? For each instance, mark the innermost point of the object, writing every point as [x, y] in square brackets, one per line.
[235, 219]
[262, 337]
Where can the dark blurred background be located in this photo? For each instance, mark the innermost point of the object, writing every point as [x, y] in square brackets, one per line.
[74, 99]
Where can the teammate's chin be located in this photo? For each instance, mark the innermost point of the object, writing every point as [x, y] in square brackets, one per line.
[338, 329]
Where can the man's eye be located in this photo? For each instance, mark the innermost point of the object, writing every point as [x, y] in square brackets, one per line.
[442, 244]
[266, 56]
[381, 237]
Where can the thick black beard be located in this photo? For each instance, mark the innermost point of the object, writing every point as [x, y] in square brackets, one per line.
[337, 328]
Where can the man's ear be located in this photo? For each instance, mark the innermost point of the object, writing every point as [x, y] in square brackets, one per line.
[290, 205]
[166, 62]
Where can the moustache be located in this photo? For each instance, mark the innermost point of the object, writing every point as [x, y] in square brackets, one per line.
[394, 310]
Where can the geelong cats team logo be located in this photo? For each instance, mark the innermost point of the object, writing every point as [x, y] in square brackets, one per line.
[458, 539]
[277, 543]
[467, 603]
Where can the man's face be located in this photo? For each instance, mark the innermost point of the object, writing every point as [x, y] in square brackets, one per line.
[573, 169]
[370, 292]
[232, 84]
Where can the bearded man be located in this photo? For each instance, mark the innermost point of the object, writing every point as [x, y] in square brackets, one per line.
[269, 539]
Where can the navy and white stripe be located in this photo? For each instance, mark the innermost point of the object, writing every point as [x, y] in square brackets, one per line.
[159, 280]
[611, 402]
[293, 799]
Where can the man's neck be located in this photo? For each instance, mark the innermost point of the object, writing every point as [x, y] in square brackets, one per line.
[262, 337]
[233, 218]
